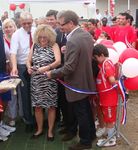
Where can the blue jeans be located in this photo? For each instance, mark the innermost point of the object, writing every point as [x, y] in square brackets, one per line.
[25, 94]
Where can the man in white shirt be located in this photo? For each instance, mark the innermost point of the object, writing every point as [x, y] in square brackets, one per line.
[98, 15]
[20, 45]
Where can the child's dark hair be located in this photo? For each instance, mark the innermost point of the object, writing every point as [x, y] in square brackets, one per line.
[100, 49]
[106, 35]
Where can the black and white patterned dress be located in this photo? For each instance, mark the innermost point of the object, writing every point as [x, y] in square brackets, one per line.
[43, 90]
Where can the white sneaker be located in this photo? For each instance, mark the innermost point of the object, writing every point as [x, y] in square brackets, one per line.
[110, 143]
[4, 132]
[3, 138]
[8, 128]
[100, 132]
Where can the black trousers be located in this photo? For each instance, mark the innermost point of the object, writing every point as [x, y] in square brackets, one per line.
[80, 115]
[25, 94]
[62, 105]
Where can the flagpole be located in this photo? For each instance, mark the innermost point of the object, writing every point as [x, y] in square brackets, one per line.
[108, 5]
[128, 5]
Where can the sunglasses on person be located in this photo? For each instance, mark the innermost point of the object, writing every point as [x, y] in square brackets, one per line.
[64, 23]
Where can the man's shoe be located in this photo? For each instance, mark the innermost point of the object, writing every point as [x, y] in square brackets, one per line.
[68, 137]
[80, 146]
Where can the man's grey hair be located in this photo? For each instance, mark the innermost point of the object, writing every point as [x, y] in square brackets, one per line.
[26, 15]
[68, 16]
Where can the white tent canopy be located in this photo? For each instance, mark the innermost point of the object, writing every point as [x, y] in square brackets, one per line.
[50, 1]
[42, 6]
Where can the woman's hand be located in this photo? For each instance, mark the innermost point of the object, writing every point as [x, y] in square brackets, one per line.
[30, 70]
[44, 69]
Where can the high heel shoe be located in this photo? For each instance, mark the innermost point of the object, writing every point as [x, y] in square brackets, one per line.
[50, 138]
[35, 136]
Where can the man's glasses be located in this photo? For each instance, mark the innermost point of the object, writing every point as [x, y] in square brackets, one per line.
[64, 23]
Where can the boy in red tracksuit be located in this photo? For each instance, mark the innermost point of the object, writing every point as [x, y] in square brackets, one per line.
[109, 98]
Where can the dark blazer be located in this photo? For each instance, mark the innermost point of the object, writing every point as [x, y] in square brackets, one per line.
[77, 69]
[61, 41]
[2, 52]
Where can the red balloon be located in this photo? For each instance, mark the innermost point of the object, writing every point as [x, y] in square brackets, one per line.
[131, 83]
[12, 7]
[22, 6]
[128, 53]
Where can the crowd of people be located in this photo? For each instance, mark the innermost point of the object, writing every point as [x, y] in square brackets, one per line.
[53, 49]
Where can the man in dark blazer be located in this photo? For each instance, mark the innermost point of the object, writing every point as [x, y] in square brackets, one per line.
[77, 72]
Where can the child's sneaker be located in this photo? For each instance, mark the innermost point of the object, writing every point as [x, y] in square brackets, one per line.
[100, 132]
[110, 143]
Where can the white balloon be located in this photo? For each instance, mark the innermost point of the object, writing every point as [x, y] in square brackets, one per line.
[113, 55]
[120, 47]
[130, 67]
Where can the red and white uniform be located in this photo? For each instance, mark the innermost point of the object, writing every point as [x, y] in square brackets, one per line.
[124, 34]
[108, 98]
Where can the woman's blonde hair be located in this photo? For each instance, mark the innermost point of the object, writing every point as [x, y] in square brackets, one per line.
[47, 31]
[8, 22]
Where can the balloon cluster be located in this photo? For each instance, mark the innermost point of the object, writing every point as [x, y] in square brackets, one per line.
[128, 58]
[13, 6]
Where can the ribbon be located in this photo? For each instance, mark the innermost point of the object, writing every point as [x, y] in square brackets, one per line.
[84, 91]
[122, 91]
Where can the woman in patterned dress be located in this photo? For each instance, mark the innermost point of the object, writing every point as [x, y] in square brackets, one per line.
[44, 55]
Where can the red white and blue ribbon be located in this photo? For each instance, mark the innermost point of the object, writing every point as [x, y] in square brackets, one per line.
[122, 91]
[84, 91]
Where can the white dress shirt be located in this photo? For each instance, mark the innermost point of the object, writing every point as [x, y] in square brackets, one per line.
[70, 34]
[20, 45]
